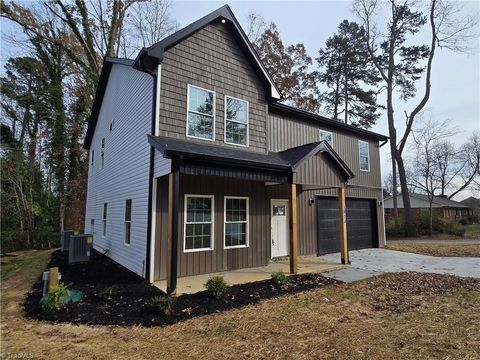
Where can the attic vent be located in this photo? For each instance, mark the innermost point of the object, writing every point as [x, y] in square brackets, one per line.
[65, 240]
[80, 248]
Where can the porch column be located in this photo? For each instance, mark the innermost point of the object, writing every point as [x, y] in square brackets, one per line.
[172, 230]
[342, 217]
[293, 229]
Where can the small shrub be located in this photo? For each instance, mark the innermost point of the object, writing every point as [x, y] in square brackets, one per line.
[217, 287]
[161, 304]
[108, 292]
[453, 229]
[464, 221]
[392, 230]
[423, 223]
[279, 278]
[309, 276]
[55, 298]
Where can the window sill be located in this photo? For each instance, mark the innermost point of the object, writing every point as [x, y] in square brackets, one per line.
[199, 138]
[196, 250]
[235, 247]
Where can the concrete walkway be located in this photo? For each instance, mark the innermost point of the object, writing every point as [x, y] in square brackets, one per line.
[306, 264]
[369, 262]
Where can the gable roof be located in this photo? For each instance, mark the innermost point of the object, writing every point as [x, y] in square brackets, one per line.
[108, 62]
[471, 202]
[148, 58]
[335, 124]
[437, 200]
[287, 160]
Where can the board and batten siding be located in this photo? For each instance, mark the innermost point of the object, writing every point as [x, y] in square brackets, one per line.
[286, 131]
[212, 59]
[127, 105]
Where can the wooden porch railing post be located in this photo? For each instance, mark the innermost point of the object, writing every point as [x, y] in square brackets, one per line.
[293, 229]
[342, 217]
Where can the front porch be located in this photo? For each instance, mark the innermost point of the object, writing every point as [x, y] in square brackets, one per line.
[306, 264]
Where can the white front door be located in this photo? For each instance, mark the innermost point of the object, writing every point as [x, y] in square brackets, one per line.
[280, 228]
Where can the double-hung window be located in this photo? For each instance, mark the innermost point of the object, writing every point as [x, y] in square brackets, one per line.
[364, 155]
[201, 113]
[104, 233]
[102, 155]
[236, 222]
[326, 136]
[128, 220]
[236, 121]
[198, 223]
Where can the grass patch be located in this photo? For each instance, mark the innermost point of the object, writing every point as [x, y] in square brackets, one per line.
[437, 318]
[460, 250]
[24, 265]
[472, 229]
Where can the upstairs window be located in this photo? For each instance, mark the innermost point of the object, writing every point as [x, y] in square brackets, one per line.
[326, 136]
[128, 220]
[198, 223]
[201, 113]
[92, 155]
[236, 121]
[364, 155]
[104, 233]
[102, 155]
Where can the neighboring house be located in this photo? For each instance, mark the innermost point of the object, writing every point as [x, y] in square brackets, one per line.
[473, 204]
[195, 167]
[446, 209]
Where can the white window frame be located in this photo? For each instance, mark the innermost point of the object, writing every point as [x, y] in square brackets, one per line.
[92, 161]
[102, 155]
[188, 110]
[247, 242]
[360, 155]
[125, 221]
[388, 211]
[326, 132]
[104, 219]
[238, 122]
[212, 223]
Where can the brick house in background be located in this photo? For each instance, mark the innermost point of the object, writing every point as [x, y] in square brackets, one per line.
[446, 209]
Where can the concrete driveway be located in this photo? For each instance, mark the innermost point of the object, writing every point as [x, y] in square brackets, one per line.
[369, 262]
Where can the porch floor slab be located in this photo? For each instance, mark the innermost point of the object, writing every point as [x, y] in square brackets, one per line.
[306, 264]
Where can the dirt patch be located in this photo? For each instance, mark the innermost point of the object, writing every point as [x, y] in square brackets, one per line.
[116, 296]
[442, 250]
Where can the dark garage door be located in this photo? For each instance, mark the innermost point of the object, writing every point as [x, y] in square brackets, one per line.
[361, 224]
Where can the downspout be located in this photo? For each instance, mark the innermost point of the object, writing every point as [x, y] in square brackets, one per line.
[150, 248]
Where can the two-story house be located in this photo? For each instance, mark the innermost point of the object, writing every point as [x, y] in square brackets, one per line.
[196, 167]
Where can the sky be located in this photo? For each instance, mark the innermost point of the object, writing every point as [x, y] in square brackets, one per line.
[455, 94]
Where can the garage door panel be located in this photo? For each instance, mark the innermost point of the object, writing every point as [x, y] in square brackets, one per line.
[361, 224]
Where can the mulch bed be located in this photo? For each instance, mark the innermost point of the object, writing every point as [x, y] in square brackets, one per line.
[131, 295]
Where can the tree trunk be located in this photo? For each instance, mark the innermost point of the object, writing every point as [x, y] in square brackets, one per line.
[407, 209]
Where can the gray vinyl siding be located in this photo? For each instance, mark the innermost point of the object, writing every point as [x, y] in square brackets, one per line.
[211, 59]
[128, 103]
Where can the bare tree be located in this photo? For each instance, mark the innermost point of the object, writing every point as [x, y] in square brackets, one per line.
[428, 140]
[451, 27]
[149, 22]
[469, 171]
[256, 26]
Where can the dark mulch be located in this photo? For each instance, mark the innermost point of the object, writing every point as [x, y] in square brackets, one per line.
[131, 295]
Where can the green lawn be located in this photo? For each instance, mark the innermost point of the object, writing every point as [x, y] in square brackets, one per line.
[473, 228]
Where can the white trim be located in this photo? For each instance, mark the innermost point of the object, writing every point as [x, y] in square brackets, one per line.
[247, 240]
[212, 237]
[157, 100]
[104, 220]
[360, 155]
[287, 210]
[320, 131]
[213, 115]
[125, 222]
[153, 225]
[238, 122]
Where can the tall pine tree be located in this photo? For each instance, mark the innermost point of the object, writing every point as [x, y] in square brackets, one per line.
[348, 73]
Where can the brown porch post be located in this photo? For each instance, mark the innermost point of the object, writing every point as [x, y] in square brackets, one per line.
[293, 229]
[172, 230]
[342, 217]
